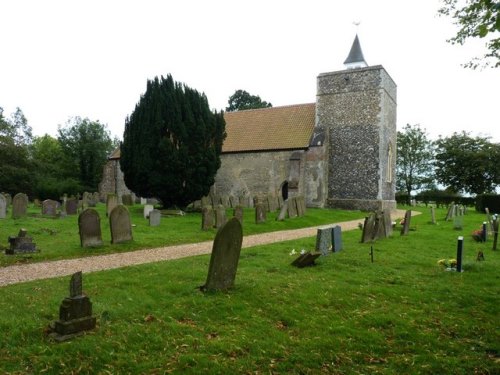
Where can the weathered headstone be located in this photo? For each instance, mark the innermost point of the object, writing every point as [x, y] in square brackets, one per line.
[49, 207]
[220, 216]
[368, 229]
[406, 225]
[306, 259]
[283, 211]
[387, 222]
[260, 213]
[337, 244]
[433, 215]
[225, 255]
[292, 207]
[143, 201]
[19, 205]
[324, 240]
[71, 206]
[154, 218]
[3, 207]
[485, 232]
[147, 209]
[119, 224]
[75, 312]
[89, 226]
[111, 203]
[207, 217]
[205, 201]
[127, 199]
[451, 211]
[458, 222]
[488, 218]
[301, 205]
[21, 244]
[8, 198]
[238, 213]
[379, 226]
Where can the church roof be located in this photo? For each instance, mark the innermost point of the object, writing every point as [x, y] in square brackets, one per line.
[355, 54]
[275, 128]
[115, 154]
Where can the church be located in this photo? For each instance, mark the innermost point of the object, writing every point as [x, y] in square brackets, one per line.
[337, 152]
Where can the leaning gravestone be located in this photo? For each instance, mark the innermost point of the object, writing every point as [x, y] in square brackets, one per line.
[225, 255]
[21, 244]
[387, 222]
[71, 206]
[324, 240]
[147, 209]
[337, 239]
[260, 213]
[119, 224]
[75, 312]
[284, 209]
[89, 226]
[154, 218]
[19, 205]
[451, 211]
[3, 207]
[220, 216]
[207, 217]
[368, 229]
[406, 225]
[306, 259]
[49, 207]
[111, 203]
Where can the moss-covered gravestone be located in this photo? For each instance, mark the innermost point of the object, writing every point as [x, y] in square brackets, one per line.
[225, 256]
[111, 203]
[19, 205]
[49, 207]
[324, 240]
[89, 226]
[75, 312]
[260, 212]
[406, 225]
[120, 225]
[207, 217]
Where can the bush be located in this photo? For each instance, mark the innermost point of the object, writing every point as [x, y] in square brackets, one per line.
[492, 201]
[52, 188]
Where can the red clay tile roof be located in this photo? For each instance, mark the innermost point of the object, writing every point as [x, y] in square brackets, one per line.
[276, 128]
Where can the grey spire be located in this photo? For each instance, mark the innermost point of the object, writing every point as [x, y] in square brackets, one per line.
[355, 58]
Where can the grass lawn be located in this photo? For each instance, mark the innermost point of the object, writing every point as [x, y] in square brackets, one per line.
[59, 238]
[402, 314]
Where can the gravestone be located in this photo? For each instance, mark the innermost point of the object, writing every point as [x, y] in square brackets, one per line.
[488, 218]
[75, 312]
[71, 206]
[292, 207]
[458, 222]
[207, 217]
[154, 218]
[238, 213]
[127, 199]
[368, 228]
[306, 259]
[143, 201]
[324, 240]
[89, 226]
[147, 209]
[387, 222]
[433, 215]
[260, 213]
[19, 205]
[205, 201]
[301, 206]
[379, 226]
[111, 203]
[220, 216]
[283, 210]
[495, 232]
[49, 207]
[337, 244]
[460, 248]
[3, 207]
[119, 224]
[225, 256]
[451, 211]
[8, 198]
[21, 244]
[406, 225]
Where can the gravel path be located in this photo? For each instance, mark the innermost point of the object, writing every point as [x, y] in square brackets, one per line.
[45, 270]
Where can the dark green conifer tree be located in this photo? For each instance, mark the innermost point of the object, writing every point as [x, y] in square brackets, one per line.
[172, 143]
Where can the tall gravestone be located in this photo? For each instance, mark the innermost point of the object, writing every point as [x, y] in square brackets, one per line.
[111, 203]
[49, 207]
[220, 216]
[19, 205]
[119, 224]
[3, 207]
[283, 211]
[406, 225]
[154, 218]
[260, 213]
[72, 206]
[368, 229]
[89, 227]
[324, 240]
[225, 256]
[387, 223]
[207, 217]
[433, 215]
[451, 211]
[337, 244]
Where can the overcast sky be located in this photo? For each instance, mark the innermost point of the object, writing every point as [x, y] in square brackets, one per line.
[92, 58]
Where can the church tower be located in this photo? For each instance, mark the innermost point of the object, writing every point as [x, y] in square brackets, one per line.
[356, 110]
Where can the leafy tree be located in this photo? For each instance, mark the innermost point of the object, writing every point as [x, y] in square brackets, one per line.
[85, 145]
[414, 169]
[172, 143]
[241, 100]
[466, 164]
[476, 18]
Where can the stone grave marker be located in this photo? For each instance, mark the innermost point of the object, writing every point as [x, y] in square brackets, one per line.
[89, 226]
[8, 198]
[49, 207]
[324, 240]
[451, 211]
[458, 222]
[368, 228]
[243, 201]
[433, 215]
[292, 207]
[301, 205]
[306, 259]
[154, 218]
[147, 209]
[387, 222]
[260, 213]
[205, 201]
[111, 203]
[406, 225]
[75, 312]
[220, 216]
[488, 218]
[19, 205]
[71, 206]
[460, 248]
[3, 207]
[495, 232]
[207, 217]
[379, 226]
[119, 224]
[283, 210]
[337, 244]
[127, 199]
[225, 256]
[143, 201]
[238, 213]
[21, 244]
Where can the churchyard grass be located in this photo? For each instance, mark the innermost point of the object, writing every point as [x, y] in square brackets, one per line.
[401, 314]
[59, 239]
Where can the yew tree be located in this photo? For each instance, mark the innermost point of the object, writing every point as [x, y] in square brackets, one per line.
[171, 144]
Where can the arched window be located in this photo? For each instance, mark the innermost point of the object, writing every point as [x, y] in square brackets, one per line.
[284, 190]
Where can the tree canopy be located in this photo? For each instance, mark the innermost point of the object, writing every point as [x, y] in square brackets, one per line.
[414, 167]
[476, 19]
[241, 100]
[467, 164]
[172, 143]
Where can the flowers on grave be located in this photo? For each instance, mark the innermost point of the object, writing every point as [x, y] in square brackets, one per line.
[447, 263]
[302, 252]
[477, 235]
[293, 252]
